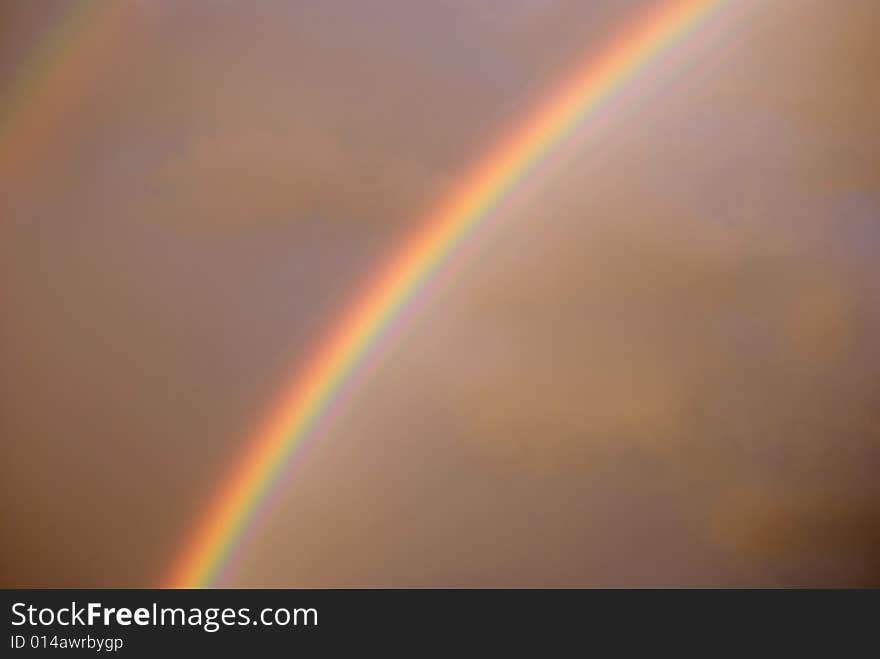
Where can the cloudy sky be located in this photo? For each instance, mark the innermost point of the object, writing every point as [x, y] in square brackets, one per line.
[663, 370]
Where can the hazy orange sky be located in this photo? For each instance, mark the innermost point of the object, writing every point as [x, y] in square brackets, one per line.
[665, 370]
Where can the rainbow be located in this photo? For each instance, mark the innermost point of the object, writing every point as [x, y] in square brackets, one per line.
[305, 405]
[51, 80]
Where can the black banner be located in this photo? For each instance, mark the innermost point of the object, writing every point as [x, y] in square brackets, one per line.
[148, 622]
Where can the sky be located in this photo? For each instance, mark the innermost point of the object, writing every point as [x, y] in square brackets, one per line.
[663, 370]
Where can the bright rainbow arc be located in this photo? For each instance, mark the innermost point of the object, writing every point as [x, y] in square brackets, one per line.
[307, 401]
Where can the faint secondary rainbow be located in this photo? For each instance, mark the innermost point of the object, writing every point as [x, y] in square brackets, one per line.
[305, 404]
[51, 78]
